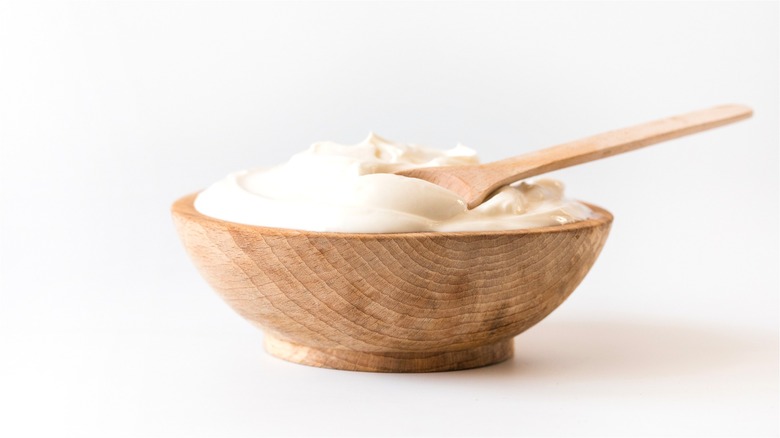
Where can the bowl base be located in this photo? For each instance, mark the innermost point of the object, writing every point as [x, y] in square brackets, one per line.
[390, 362]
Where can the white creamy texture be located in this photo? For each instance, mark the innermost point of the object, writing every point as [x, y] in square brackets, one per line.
[332, 187]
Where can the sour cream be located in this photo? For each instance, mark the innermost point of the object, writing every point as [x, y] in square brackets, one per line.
[351, 189]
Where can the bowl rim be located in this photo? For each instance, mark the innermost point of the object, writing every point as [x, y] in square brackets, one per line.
[185, 206]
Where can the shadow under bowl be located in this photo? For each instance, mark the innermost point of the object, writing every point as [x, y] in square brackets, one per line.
[405, 302]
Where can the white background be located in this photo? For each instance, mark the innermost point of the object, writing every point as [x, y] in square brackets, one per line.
[109, 112]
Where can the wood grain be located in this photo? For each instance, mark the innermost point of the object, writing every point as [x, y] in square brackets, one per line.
[474, 183]
[407, 302]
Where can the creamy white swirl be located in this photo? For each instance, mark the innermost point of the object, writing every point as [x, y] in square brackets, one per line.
[338, 188]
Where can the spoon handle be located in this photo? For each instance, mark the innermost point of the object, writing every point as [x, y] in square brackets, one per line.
[614, 142]
[475, 183]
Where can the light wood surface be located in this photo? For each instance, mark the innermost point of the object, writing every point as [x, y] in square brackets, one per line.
[475, 183]
[408, 302]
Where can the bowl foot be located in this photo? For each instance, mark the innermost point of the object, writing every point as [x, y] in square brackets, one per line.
[390, 362]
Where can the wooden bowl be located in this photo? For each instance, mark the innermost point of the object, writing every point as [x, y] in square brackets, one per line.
[409, 302]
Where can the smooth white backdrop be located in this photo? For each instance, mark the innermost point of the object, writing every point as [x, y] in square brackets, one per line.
[110, 111]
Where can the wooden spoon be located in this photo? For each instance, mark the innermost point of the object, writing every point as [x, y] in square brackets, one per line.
[476, 182]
